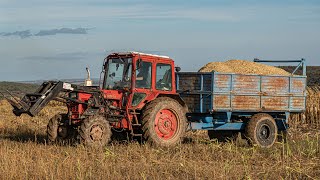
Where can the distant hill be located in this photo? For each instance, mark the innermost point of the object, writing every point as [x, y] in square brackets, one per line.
[313, 73]
[73, 81]
[20, 88]
[17, 88]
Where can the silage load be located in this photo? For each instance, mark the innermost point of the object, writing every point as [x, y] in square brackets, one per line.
[243, 67]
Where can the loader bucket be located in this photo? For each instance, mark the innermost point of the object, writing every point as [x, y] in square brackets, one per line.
[33, 103]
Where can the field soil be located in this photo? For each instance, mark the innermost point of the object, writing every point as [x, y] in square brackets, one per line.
[25, 154]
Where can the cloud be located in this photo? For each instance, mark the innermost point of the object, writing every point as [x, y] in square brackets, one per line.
[98, 11]
[104, 11]
[69, 56]
[27, 33]
[21, 34]
[62, 31]
[61, 56]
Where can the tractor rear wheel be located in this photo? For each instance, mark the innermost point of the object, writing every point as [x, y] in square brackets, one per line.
[164, 122]
[57, 129]
[95, 132]
[261, 130]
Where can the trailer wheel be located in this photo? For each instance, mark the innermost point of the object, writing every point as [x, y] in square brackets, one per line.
[163, 122]
[57, 130]
[261, 130]
[222, 136]
[95, 132]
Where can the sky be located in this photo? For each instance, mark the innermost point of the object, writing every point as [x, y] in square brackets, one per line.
[42, 40]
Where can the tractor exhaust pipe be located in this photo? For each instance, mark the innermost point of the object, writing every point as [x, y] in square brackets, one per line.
[88, 81]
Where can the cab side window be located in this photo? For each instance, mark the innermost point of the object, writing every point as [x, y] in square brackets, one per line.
[164, 77]
[143, 75]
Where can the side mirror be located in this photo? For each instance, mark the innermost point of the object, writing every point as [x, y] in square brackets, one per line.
[178, 69]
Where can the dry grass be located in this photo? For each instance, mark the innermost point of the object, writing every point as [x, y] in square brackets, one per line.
[25, 155]
[243, 67]
[312, 114]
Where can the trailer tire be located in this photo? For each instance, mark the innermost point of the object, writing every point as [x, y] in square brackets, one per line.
[95, 132]
[57, 130]
[261, 130]
[164, 122]
[222, 136]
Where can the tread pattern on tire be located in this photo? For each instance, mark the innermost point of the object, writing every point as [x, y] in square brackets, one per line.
[84, 131]
[148, 117]
[250, 131]
[52, 127]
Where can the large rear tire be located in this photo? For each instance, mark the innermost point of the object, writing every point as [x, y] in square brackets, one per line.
[95, 132]
[262, 130]
[57, 130]
[164, 122]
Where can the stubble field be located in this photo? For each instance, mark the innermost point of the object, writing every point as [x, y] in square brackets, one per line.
[24, 154]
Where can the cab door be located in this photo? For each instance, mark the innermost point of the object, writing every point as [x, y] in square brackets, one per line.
[143, 82]
[153, 76]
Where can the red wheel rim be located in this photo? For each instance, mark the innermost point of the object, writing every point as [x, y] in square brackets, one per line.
[166, 124]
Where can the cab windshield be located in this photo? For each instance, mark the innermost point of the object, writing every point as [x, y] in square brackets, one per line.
[118, 73]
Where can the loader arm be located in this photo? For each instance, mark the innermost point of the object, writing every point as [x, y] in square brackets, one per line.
[33, 103]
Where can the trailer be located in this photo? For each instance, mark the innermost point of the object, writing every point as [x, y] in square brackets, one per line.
[257, 106]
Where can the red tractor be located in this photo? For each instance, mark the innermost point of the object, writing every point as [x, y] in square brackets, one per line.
[137, 97]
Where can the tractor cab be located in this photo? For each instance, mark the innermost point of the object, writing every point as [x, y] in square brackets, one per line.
[137, 78]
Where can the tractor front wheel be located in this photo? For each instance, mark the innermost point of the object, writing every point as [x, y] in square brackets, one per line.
[57, 129]
[95, 132]
[163, 122]
[261, 130]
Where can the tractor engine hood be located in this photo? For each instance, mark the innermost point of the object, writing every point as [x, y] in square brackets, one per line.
[113, 94]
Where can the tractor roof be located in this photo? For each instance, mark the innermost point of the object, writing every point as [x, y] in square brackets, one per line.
[139, 53]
